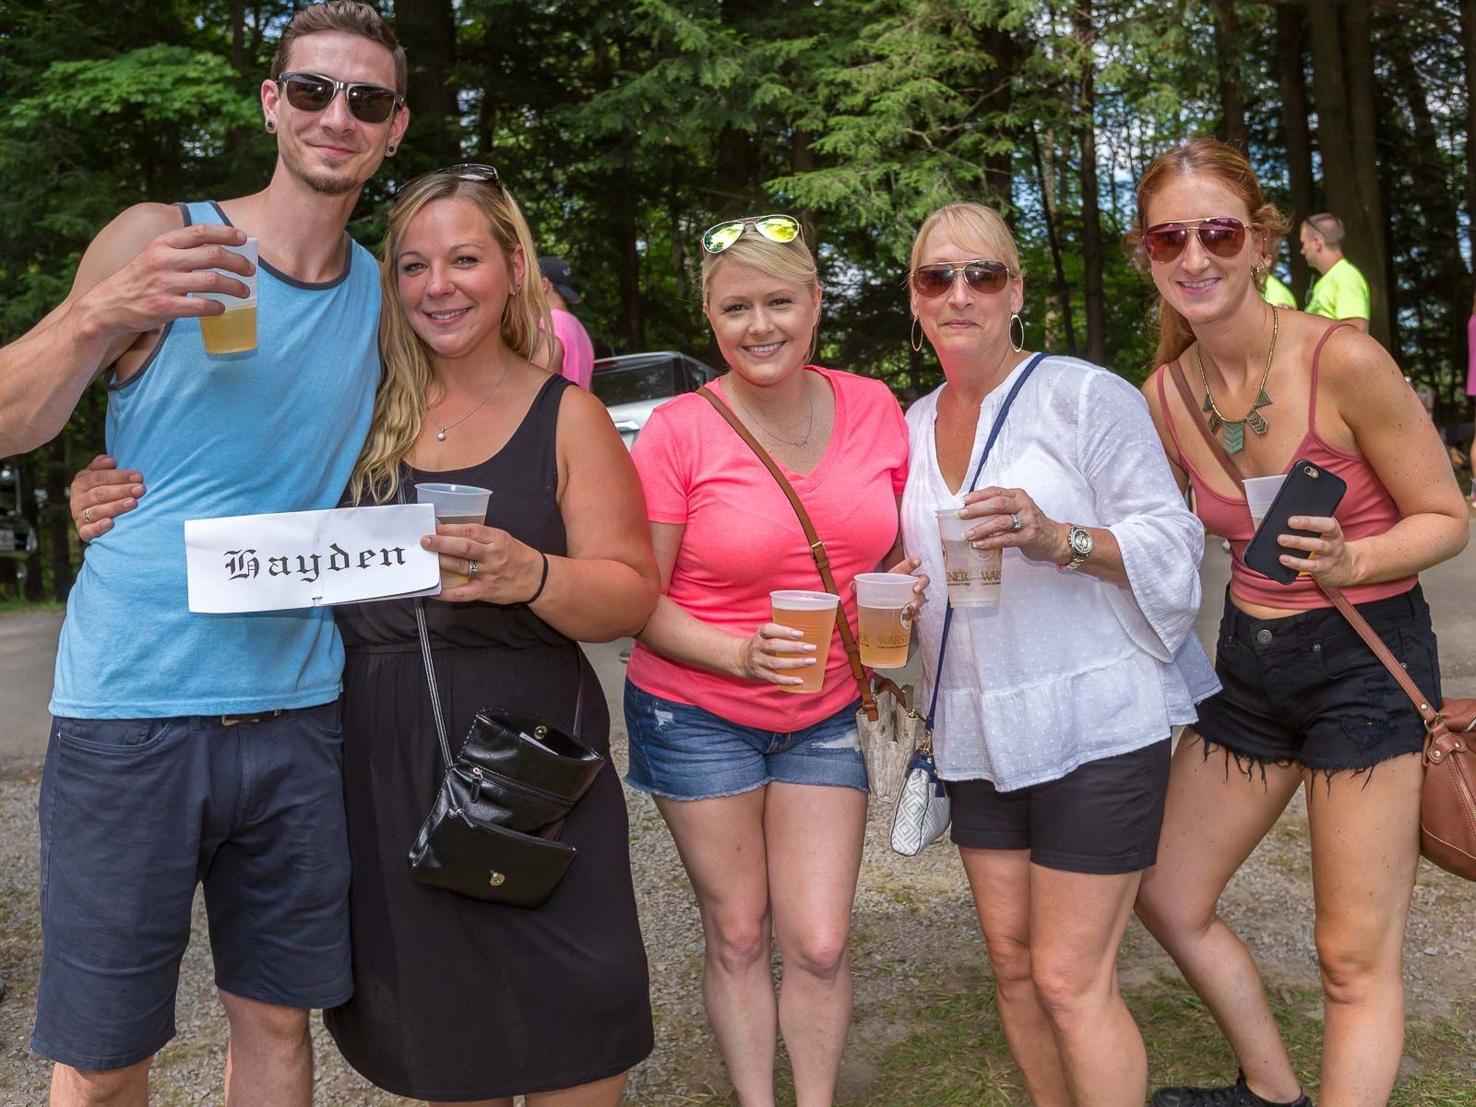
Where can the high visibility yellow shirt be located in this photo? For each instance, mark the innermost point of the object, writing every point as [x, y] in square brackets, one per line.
[1341, 293]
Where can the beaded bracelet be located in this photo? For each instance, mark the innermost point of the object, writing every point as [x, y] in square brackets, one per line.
[542, 580]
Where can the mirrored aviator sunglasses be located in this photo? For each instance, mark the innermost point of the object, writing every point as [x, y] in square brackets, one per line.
[776, 228]
[1222, 236]
[981, 276]
[311, 92]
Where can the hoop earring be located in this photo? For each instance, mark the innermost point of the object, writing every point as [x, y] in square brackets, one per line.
[913, 338]
[1017, 346]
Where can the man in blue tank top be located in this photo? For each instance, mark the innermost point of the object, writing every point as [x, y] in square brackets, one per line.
[206, 748]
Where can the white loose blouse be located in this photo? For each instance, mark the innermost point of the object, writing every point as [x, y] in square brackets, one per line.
[1068, 668]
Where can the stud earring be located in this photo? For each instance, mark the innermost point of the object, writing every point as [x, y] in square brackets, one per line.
[271, 125]
[389, 151]
[913, 337]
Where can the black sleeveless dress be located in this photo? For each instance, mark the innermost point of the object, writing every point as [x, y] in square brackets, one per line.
[454, 998]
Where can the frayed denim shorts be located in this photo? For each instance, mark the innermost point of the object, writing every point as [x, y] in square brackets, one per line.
[682, 752]
[1306, 690]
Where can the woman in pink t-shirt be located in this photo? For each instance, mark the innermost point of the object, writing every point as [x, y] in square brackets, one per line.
[764, 790]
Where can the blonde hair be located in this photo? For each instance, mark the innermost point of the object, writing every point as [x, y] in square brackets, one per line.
[409, 374]
[1229, 166]
[788, 261]
[972, 223]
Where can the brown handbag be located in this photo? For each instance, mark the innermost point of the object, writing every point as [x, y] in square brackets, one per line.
[1448, 797]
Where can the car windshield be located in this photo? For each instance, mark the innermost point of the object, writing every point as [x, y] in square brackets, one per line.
[634, 383]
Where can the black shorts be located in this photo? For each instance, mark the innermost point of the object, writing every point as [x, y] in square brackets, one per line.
[1306, 690]
[1102, 817]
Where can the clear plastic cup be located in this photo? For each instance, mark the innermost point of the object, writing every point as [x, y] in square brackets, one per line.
[883, 602]
[1260, 493]
[813, 615]
[973, 576]
[233, 332]
[455, 503]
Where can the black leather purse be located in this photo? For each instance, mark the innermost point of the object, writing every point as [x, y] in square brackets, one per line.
[493, 833]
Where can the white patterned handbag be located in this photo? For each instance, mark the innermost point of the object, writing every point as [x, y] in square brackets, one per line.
[923, 812]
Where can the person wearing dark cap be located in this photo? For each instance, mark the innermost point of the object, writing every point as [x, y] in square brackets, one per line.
[558, 286]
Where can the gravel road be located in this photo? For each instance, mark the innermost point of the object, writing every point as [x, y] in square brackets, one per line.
[915, 934]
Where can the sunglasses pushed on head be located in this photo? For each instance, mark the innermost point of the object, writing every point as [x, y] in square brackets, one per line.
[776, 228]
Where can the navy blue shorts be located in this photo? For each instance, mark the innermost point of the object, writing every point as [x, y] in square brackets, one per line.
[1306, 690]
[134, 814]
[682, 752]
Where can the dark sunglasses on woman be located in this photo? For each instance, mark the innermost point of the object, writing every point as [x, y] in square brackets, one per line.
[1221, 236]
[980, 276]
[312, 92]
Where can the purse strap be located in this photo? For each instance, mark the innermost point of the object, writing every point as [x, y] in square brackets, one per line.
[430, 671]
[817, 547]
[999, 420]
[1359, 624]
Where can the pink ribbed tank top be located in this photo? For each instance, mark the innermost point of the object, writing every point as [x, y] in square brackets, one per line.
[1367, 509]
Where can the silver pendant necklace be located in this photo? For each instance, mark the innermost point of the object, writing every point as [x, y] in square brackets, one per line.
[809, 424]
[441, 430]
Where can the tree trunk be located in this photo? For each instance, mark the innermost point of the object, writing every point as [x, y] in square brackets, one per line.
[57, 518]
[1468, 40]
[238, 35]
[1232, 92]
[427, 29]
[1292, 77]
[30, 476]
[802, 160]
[1053, 239]
[999, 177]
[1091, 216]
[1438, 208]
[1363, 128]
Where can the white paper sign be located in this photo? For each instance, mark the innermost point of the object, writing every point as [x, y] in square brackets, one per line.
[310, 558]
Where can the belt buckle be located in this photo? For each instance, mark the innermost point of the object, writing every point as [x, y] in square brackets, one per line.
[251, 717]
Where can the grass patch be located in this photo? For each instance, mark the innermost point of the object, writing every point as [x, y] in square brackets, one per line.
[957, 1054]
[19, 605]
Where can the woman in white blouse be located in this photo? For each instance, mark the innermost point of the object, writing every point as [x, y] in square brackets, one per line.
[1052, 729]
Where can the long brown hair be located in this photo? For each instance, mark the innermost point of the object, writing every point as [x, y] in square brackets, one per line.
[409, 377]
[1229, 166]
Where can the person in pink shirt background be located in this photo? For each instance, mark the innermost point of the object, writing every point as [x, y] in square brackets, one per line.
[578, 349]
[1471, 390]
[764, 791]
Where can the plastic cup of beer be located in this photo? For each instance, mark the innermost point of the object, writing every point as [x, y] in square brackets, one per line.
[233, 332]
[1259, 494]
[455, 503]
[813, 615]
[883, 604]
[972, 575]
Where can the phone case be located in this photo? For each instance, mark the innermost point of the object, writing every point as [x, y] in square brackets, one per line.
[1309, 489]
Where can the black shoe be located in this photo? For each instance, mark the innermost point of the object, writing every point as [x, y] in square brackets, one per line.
[1237, 1095]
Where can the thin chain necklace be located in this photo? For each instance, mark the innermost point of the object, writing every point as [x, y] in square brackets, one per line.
[809, 424]
[1232, 431]
[441, 430]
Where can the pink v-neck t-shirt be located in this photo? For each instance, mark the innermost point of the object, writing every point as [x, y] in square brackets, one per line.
[742, 538]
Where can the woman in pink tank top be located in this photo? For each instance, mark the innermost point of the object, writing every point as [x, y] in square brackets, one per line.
[1301, 695]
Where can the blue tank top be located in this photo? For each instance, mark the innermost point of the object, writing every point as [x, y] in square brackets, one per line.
[276, 429]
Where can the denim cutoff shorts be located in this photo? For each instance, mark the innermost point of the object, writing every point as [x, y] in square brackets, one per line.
[682, 752]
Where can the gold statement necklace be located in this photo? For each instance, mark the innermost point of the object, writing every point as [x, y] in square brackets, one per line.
[1232, 431]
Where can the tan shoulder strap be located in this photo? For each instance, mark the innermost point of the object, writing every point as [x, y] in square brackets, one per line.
[817, 547]
[1227, 463]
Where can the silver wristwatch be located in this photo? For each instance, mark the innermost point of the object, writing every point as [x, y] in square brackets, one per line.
[1079, 542]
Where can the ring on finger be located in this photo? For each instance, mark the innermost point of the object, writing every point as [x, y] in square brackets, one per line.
[1015, 521]
[472, 568]
[87, 514]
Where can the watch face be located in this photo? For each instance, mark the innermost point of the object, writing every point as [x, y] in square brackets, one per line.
[1080, 540]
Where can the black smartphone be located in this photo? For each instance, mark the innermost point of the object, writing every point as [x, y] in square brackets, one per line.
[1309, 489]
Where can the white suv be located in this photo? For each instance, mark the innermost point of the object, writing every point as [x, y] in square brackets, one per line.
[634, 385]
